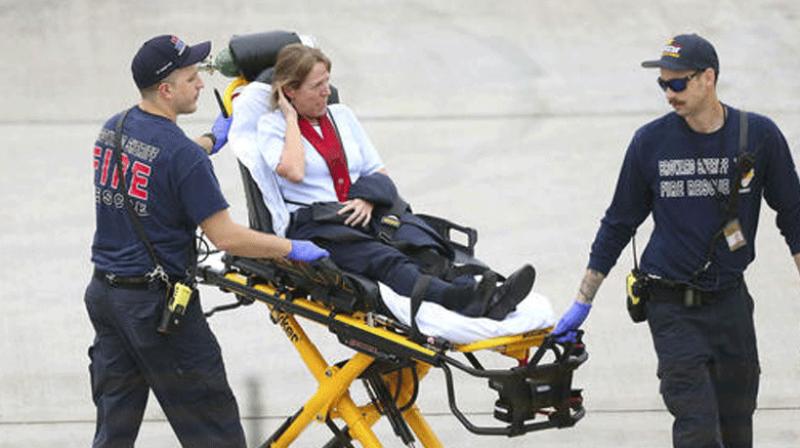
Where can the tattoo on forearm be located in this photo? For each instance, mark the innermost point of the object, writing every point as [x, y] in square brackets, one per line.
[797, 261]
[589, 285]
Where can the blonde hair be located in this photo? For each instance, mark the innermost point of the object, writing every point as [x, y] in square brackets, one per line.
[295, 62]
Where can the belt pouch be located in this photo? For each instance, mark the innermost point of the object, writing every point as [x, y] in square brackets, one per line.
[637, 293]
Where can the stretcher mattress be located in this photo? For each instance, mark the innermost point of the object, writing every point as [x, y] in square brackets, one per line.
[533, 313]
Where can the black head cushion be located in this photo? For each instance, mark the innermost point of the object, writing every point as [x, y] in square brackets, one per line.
[253, 53]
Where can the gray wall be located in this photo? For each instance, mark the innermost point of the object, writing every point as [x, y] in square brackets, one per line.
[511, 117]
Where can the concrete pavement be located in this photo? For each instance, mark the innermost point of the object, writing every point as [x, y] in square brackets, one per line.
[510, 117]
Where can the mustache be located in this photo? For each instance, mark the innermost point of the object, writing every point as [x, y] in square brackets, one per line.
[674, 102]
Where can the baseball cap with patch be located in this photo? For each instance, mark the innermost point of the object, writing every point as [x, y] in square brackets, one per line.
[686, 52]
[161, 55]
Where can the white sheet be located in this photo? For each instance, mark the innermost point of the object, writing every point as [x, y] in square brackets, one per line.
[533, 313]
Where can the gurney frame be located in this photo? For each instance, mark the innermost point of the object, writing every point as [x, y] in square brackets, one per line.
[390, 358]
[392, 362]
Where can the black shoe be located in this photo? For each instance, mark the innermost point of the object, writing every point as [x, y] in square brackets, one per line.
[472, 301]
[486, 289]
[511, 292]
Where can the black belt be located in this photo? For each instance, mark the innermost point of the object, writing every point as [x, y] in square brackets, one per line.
[135, 282]
[664, 291]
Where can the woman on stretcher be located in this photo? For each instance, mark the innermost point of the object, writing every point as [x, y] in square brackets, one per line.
[337, 190]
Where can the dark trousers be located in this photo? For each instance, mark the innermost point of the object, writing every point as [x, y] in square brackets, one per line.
[184, 370]
[708, 367]
[386, 264]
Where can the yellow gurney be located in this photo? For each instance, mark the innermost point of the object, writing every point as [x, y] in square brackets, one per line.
[391, 358]
[393, 363]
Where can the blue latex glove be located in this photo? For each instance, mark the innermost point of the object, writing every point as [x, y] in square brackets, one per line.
[571, 321]
[220, 130]
[303, 250]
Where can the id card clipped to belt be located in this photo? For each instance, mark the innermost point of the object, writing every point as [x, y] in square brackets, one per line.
[734, 235]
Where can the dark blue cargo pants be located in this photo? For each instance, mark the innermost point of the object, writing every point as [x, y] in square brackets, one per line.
[708, 367]
[184, 370]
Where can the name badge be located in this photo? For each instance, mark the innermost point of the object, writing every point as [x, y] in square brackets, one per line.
[733, 235]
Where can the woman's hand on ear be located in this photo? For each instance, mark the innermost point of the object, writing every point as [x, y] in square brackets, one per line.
[288, 110]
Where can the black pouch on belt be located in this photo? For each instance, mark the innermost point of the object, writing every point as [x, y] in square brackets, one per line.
[637, 293]
[179, 295]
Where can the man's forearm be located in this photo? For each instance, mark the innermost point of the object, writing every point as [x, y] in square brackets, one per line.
[591, 283]
[253, 244]
[236, 239]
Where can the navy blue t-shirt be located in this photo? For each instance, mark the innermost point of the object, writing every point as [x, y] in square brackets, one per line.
[675, 173]
[171, 184]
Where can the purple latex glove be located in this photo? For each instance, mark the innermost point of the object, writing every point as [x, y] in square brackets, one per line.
[220, 130]
[307, 251]
[571, 321]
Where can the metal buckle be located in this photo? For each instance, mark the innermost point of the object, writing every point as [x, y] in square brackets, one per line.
[158, 273]
[693, 298]
[391, 221]
[384, 237]
[111, 279]
[390, 224]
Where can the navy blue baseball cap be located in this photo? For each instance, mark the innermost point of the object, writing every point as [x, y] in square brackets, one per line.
[161, 55]
[686, 52]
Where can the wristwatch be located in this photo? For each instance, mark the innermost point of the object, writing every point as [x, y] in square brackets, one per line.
[211, 137]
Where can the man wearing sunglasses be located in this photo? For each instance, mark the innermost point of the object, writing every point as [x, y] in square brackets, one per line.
[701, 171]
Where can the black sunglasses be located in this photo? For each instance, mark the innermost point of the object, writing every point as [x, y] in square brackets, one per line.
[678, 84]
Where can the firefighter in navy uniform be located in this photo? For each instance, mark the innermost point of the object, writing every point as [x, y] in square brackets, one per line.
[701, 170]
[171, 188]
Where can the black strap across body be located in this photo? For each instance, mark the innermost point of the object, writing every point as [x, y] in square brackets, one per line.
[638, 283]
[179, 293]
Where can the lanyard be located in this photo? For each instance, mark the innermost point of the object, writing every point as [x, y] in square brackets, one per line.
[744, 163]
